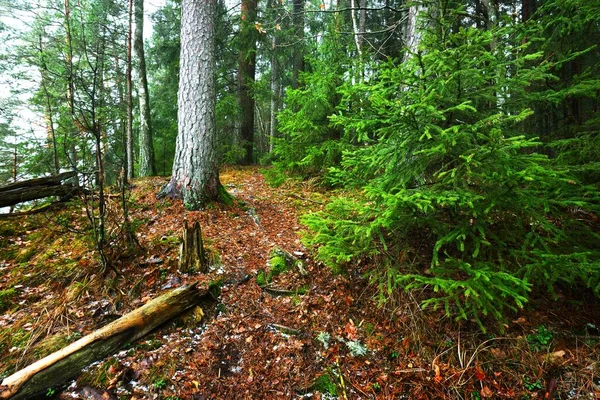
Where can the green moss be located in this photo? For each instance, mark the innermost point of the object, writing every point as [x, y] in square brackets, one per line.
[324, 384]
[278, 266]
[261, 278]
[98, 377]
[6, 298]
[224, 196]
[280, 262]
[32, 237]
[215, 287]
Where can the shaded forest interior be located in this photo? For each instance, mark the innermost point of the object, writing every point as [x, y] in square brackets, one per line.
[383, 198]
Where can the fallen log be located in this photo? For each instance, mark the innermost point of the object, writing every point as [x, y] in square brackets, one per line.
[45, 181]
[33, 193]
[59, 367]
[38, 188]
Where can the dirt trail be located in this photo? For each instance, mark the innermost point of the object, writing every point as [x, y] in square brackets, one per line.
[309, 336]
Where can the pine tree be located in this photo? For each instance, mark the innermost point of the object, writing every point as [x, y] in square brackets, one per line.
[195, 176]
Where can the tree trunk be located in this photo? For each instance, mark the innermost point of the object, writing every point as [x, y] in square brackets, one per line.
[528, 8]
[195, 175]
[45, 181]
[72, 145]
[246, 72]
[298, 24]
[129, 99]
[192, 257]
[50, 132]
[355, 27]
[65, 364]
[275, 88]
[412, 34]
[147, 165]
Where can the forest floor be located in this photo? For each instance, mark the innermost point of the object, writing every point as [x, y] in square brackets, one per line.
[301, 335]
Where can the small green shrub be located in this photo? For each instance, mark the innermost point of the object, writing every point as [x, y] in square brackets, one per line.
[160, 383]
[325, 384]
[541, 338]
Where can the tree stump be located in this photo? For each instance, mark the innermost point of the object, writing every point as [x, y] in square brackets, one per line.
[192, 257]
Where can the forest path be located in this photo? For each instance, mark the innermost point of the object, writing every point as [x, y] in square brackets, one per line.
[261, 344]
[315, 334]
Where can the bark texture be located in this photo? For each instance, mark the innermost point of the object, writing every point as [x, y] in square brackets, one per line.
[147, 166]
[192, 257]
[63, 365]
[195, 176]
[246, 73]
[412, 33]
[38, 188]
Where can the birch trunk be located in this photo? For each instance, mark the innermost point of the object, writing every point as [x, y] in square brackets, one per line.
[147, 166]
[195, 176]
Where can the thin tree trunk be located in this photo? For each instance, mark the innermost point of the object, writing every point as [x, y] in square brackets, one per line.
[195, 175]
[129, 96]
[51, 134]
[298, 24]
[275, 88]
[246, 72]
[356, 29]
[71, 142]
[528, 8]
[147, 165]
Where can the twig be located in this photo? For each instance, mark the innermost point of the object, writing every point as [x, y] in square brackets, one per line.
[304, 198]
[284, 329]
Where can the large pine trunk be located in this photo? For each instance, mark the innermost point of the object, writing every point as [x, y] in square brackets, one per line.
[147, 166]
[195, 176]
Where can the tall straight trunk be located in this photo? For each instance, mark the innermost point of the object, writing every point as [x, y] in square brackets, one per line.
[298, 24]
[50, 132]
[147, 165]
[195, 175]
[412, 34]
[121, 128]
[528, 8]
[275, 88]
[129, 99]
[71, 142]
[358, 38]
[246, 72]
